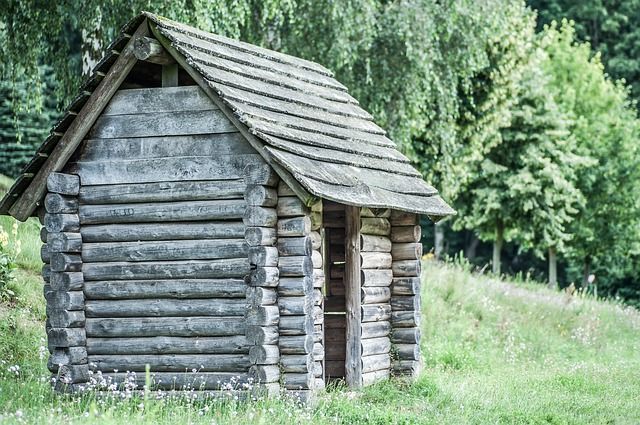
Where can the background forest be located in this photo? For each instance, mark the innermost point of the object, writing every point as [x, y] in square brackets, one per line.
[524, 115]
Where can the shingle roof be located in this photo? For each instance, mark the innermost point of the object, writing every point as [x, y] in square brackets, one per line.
[307, 120]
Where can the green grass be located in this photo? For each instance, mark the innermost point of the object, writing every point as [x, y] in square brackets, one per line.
[494, 352]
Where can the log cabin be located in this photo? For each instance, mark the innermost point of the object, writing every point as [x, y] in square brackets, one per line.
[215, 206]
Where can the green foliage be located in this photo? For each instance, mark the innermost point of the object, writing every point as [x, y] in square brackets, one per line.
[7, 267]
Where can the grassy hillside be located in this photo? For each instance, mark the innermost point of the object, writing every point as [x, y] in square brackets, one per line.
[494, 352]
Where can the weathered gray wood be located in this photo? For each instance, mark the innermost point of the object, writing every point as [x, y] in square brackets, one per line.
[373, 346]
[375, 260]
[63, 300]
[72, 137]
[316, 260]
[163, 169]
[318, 278]
[406, 268]
[164, 326]
[294, 381]
[374, 295]
[66, 356]
[233, 344]
[264, 373]
[183, 381]
[296, 325]
[72, 374]
[43, 234]
[64, 242]
[408, 351]
[164, 250]
[173, 211]
[169, 75]
[318, 297]
[165, 307]
[260, 236]
[67, 281]
[65, 184]
[405, 319]
[55, 203]
[260, 217]
[62, 222]
[284, 189]
[66, 337]
[291, 206]
[405, 286]
[156, 99]
[162, 192]
[406, 303]
[377, 212]
[45, 253]
[372, 243]
[259, 195]
[62, 262]
[301, 344]
[402, 218]
[226, 268]
[264, 276]
[59, 318]
[264, 354]
[316, 240]
[406, 367]
[293, 306]
[171, 362]
[376, 312]
[262, 335]
[292, 227]
[257, 296]
[376, 362]
[180, 289]
[405, 234]
[262, 315]
[263, 256]
[373, 278]
[375, 329]
[370, 378]
[375, 226]
[260, 173]
[352, 282]
[300, 363]
[302, 245]
[406, 251]
[162, 231]
[406, 336]
[295, 266]
[149, 50]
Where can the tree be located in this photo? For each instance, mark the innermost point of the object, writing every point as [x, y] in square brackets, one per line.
[525, 188]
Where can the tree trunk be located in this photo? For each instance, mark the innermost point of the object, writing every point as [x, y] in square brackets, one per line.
[472, 247]
[586, 271]
[439, 241]
[553, 268]
[497, 246]
[91, 48]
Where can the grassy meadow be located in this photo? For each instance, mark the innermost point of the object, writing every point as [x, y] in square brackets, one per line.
[494, 351]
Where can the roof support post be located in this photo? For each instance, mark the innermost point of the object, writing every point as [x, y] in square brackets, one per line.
[353, 359]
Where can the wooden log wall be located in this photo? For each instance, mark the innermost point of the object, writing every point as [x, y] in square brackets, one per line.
[64, 284]
[376, 276]
[162, 216]
[406, 250]
[299, 296]
[262, 314]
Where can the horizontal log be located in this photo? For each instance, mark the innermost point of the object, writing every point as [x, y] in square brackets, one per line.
[64, 242]
[260, 236]
[56, 203]
[162, 231]
[296, 325]
[46, 273]
[317, 372]
[62, 223]
[406, 268]
[406, 251]
[171, 362]
[318, 278]
[407, 351]
[295, 381]
[63, 262]
[260, 216]
[376, 278]
[292, 227]
[261, 173]
[64, 184]
[316, 240]
[376, 362]
[63, 300]
[227, 268]
[66, 337]
[302, 245]
[300, 363]
[158, 99]
[375, 312]
[373, 346]
[402, 218]
[162, 211]
[406, 336]
[72, 374]
[405, 286]
[204, 249]
[406, 367]
[318, 333]
[291, 206]
[202, 190]
[59, 318]
[375, 260]
[401, 234]
[318, 351]
[264, 354]
[262, 315]
[375, 226]
[375, 329]
[259, 195]
[371, 378]
[66, 356]
[406, 303]
[66, 281]
[199, 381]
[262, 335]
[263, 256]
[44, 234]
[264, 373]
[405, 319]
[316, 260]
[154, 345]
[375, 295]
[257, 296]
[373, 243]
[293, 306]
[264, 276]
[181, 289]
[150, 50]
[164, 326]
[166, 307]
[295, 286]
[318, 297]
[45, 253]
[300, 344]
[295, 266]
[375, 212]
